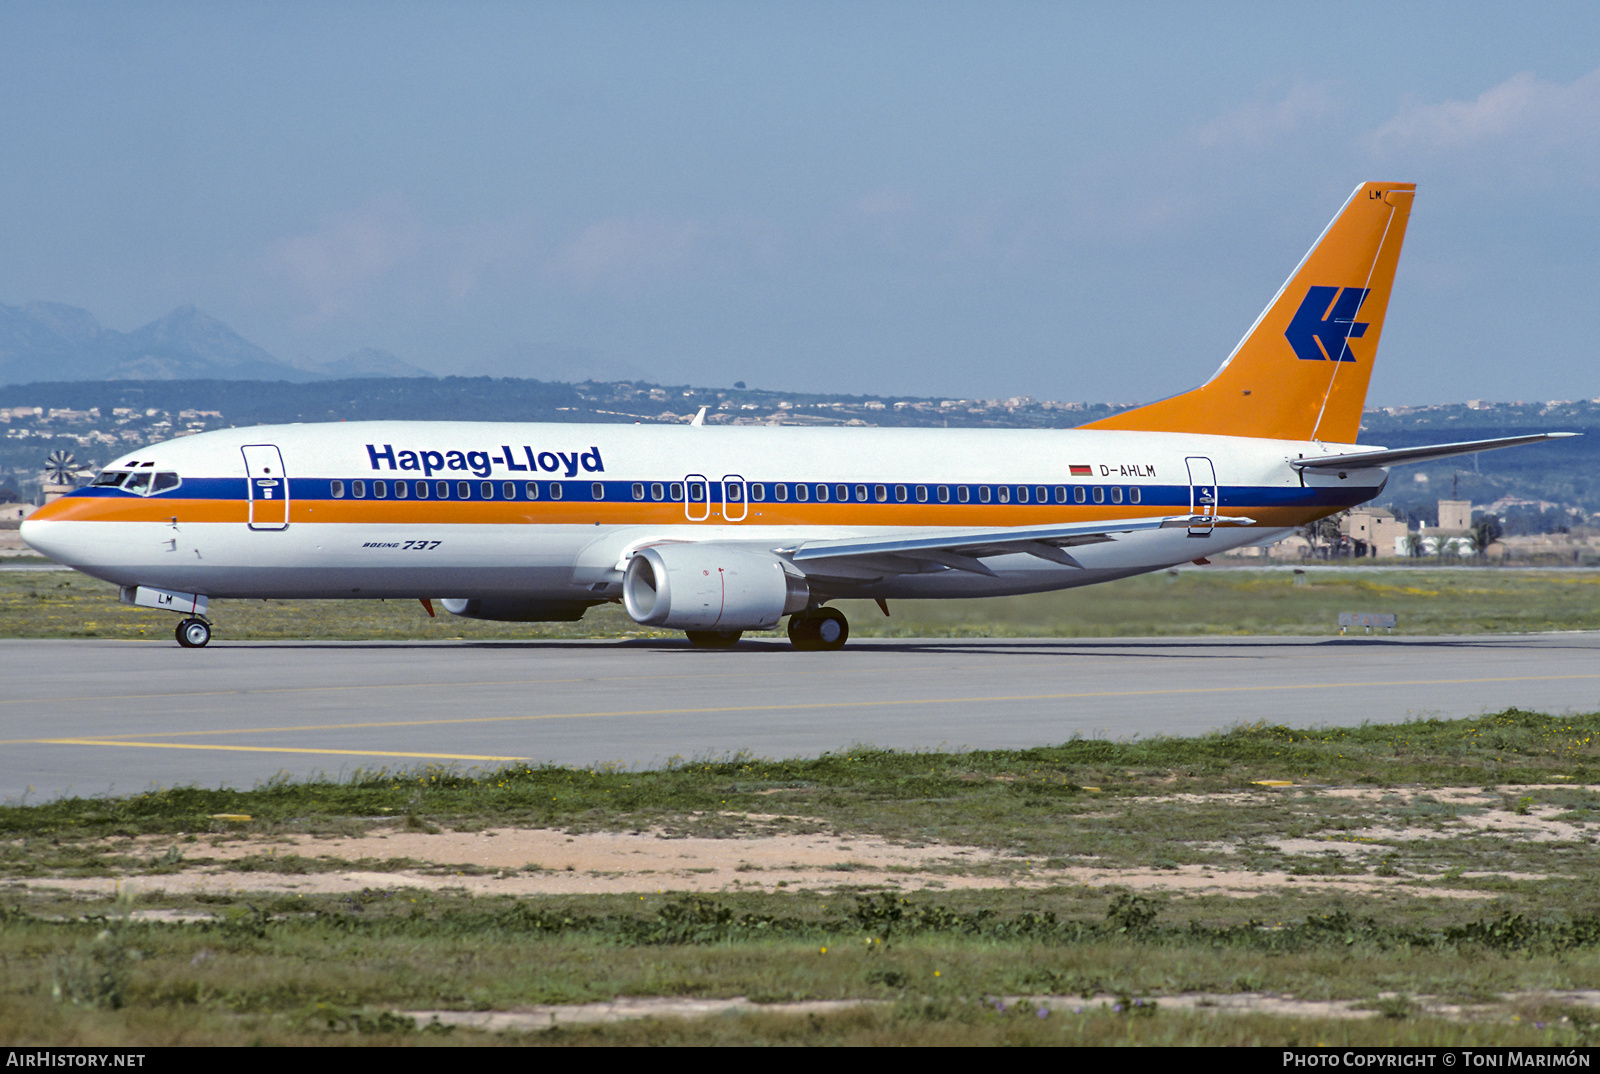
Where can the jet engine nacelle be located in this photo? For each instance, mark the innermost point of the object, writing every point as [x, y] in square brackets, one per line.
[517, 609]
[711, 587]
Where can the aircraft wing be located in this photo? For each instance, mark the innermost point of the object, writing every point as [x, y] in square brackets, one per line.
[1358, 460]
[915, 551]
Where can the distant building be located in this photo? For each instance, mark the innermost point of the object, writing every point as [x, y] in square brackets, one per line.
[1292, 547]
[11, 516]
[1374, 531]
[1455, 516]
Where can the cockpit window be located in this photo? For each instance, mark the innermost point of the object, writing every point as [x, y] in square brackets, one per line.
[140, 482]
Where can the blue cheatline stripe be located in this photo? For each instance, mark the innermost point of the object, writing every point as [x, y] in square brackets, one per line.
[1176, 497]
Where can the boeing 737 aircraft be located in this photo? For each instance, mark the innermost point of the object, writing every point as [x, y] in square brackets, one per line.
[716, 531]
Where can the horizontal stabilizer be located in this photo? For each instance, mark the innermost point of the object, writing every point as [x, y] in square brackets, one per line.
[1357, 460]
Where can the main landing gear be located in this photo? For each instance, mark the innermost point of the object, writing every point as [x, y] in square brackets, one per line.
[817, 630]
[822, 629]
[194, 633]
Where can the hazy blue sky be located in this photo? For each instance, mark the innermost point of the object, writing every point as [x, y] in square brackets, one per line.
[1072, 201]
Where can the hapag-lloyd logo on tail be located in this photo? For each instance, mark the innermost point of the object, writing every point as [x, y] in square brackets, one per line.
[1316, 323]
[482, 463]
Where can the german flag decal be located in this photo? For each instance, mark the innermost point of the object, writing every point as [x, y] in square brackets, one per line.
[1083, 471]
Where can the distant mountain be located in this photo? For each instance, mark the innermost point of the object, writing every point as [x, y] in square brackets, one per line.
[46, 339]
[51, 341]
[187, 344]
[370, 362]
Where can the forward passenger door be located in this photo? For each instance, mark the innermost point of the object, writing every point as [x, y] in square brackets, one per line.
[268, 487]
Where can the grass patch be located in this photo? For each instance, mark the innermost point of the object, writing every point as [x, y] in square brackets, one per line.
[343, 968]
[1472, 832]
[950, 797]
[1238, 601]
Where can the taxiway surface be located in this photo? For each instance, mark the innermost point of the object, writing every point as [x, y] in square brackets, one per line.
[91, 717]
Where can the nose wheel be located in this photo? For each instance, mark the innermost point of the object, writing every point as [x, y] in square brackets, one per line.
[194, 633]
[822, 630]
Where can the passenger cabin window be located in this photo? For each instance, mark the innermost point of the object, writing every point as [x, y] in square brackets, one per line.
[842, 493]
[697, 491]
[822, 493]
[675, 492]
[1061, 494]
[463, 490]
[486, 490]
[922, 493]
[1133, 494]
[801, 492]
[983, 493]
[861, 494]
[380, 489]
[758, 493]
[555, 490]
[1079, 494]
[402, 489]
[598, 490]
[963, 494]
[443, 489]
[531, 490]
[358, 489]
[733, 492]
[1041, 494]
[508, 489]
[944, 493]
[422, 490]
[638, 490]
[657, 490]
[1022, 493]
[780, 492]
[1116, 494]
[336, 489]
[1099, 494]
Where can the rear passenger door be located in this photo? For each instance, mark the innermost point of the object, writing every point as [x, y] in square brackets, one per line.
[1202, 496]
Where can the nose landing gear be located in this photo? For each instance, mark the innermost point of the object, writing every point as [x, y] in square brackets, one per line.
[194, 633]
[824, 629]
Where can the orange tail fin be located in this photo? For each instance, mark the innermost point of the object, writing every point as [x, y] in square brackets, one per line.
[1301, 372]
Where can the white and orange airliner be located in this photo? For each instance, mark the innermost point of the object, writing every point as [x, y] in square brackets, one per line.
[716, 531]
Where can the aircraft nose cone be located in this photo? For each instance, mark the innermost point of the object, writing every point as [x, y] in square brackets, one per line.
[46, 538]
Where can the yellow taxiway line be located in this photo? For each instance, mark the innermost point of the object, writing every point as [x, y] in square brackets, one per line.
[270, 749]
[133, 739]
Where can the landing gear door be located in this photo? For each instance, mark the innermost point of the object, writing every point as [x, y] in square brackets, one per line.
[1202, 496]
[269, 487]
